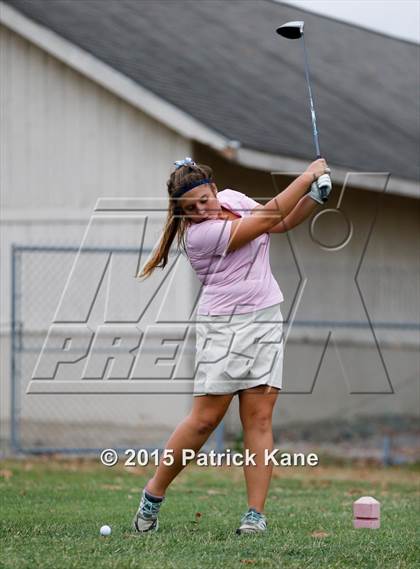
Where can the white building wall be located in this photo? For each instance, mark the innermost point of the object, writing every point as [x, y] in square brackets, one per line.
[66, 142]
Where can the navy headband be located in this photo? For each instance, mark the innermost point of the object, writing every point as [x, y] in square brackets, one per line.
[190, 186]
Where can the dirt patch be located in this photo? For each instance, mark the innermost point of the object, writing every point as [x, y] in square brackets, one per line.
[319, 475]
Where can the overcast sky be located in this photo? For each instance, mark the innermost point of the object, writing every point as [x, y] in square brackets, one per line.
[399, 18]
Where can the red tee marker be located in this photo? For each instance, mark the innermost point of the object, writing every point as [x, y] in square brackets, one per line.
[366, 513]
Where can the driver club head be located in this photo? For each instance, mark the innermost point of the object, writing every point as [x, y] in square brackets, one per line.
[291, 30]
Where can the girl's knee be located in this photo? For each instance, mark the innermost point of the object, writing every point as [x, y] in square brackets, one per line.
[261, 422]
[204, 425]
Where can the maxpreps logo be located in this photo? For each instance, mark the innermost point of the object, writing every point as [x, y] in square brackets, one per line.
[113, 333]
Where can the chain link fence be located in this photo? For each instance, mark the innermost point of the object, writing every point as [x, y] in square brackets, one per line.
[79, 422]
[89, 422]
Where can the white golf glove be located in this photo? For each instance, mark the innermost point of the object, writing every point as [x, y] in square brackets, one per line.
[321, 189]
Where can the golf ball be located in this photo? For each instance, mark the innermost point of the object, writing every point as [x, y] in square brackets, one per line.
[105, 530]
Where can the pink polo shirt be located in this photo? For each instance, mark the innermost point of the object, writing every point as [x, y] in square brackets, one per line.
[236, 282]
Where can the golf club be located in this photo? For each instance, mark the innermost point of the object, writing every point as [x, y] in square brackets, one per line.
[292, 31]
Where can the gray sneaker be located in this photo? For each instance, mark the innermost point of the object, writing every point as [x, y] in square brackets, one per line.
[252, 522]
[146, 518]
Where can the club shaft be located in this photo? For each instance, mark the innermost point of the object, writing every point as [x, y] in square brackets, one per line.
[313, 115]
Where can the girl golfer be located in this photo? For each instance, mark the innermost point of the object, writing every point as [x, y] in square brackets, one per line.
[239, 323]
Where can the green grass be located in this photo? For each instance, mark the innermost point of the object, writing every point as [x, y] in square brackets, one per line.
[52, 511]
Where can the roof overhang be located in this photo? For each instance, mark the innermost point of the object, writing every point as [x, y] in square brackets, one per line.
[175, 118]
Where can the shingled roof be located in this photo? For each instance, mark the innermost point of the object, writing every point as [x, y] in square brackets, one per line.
[223, 64]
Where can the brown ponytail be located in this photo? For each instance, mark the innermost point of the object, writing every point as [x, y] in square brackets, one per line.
[176, 223]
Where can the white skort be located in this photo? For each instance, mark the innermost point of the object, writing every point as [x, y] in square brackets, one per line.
[239, 351]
